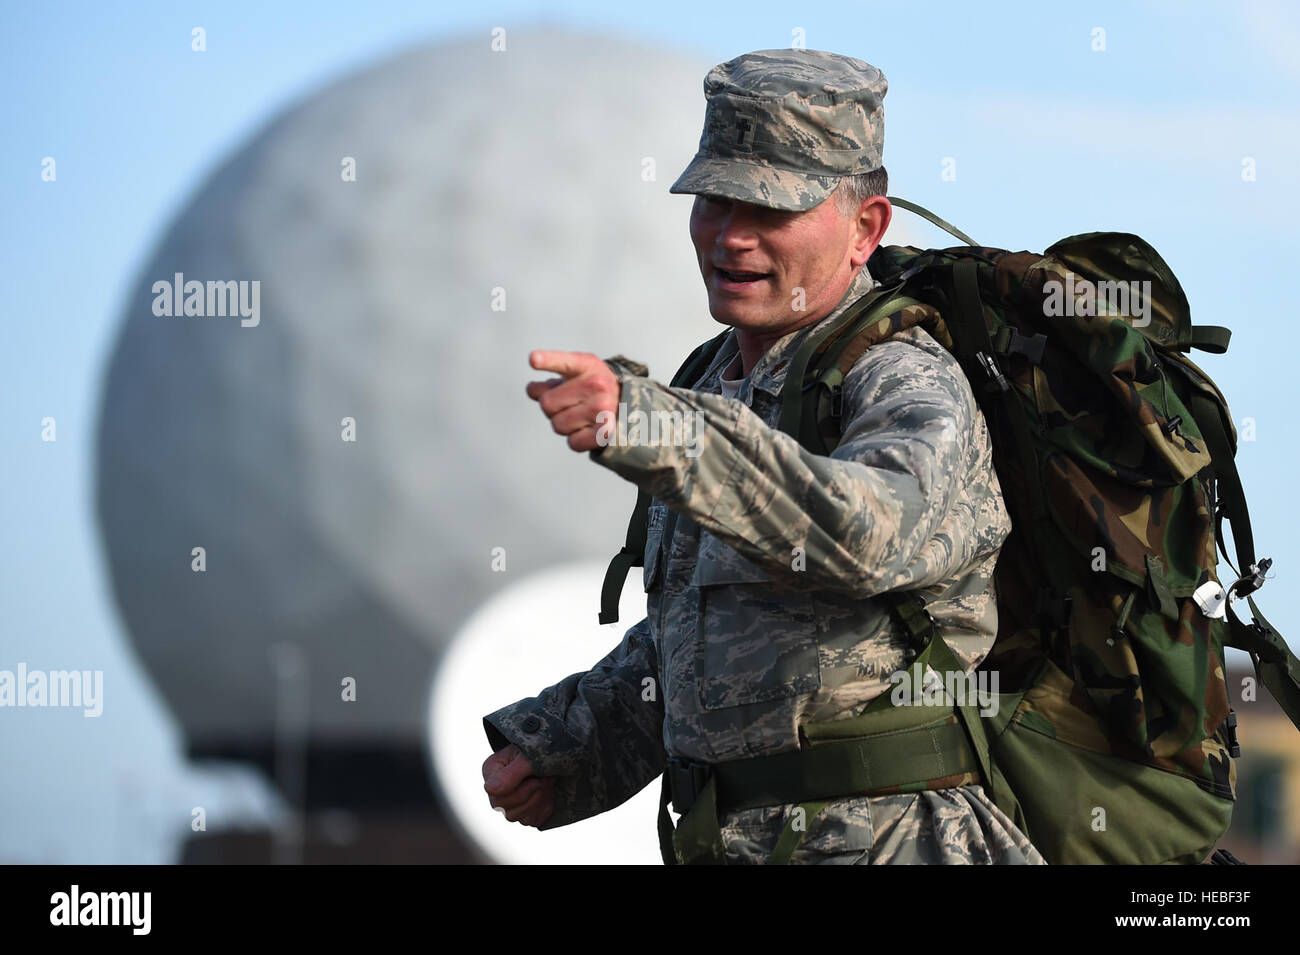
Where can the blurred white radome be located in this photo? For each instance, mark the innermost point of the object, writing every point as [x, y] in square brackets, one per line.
[537, 176]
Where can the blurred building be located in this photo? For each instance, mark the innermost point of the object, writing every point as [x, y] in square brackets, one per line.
[314, 439]
[1265, 826]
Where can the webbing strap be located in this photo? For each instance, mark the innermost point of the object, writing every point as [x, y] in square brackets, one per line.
[843, 768]
[971, 340]
[792, 389]
[927, 214]
[793, 835]
[831, 368]
[1211, 338]
[890, 746]
[1232, 496]
[945, 661]
[666, 823]
[632, 554]
[698, 839]
[831, 770]
[1275, 664]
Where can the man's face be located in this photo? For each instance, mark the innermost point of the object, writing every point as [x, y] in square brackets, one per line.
[754, 261]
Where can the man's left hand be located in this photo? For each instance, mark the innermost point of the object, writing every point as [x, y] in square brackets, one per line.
[574, 401]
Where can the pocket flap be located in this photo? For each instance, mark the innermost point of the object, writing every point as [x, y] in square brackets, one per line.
[718, 563]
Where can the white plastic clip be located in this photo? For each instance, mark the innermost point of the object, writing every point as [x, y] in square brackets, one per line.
[1212, 598]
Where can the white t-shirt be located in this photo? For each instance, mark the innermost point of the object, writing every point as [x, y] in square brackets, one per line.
[731, 386]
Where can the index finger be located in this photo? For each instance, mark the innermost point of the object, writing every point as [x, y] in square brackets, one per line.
[566, 363]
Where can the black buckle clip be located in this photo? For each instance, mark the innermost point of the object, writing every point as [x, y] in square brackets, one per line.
[1009, 341]
[1251, 581]
[991, 369]
[1234, 748]
[919, 641]
[686, 780]
[837, 401]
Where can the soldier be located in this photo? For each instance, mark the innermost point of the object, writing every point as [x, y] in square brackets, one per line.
[767, 635]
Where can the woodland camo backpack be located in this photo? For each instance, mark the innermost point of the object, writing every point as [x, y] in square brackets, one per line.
[1113, 740]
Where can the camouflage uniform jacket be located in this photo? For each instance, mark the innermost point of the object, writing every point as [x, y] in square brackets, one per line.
[760, 614]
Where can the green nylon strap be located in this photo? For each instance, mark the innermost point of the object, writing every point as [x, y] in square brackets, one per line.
[885, 739]
[792, 837]
[939, 655]
[1232, 496]
[958, 738]
[796, 374]
[971, 337]
[698, 839]
[1211, 338]
[944, 661]
[851, 767]
[1275, 664]
[927, 214]
[884, 747]
[910, 610]
[844, 351]
[632, 553]
[665, 823]
[840, 354]
[831, 770]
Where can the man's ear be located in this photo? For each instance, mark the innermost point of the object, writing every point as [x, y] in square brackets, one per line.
[869, 228]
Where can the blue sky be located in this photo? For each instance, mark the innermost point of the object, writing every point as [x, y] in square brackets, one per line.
[1050, 138]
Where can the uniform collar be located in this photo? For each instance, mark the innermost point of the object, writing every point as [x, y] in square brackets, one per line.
[769, 374]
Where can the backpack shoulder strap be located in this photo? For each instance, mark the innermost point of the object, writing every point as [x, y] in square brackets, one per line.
[1275, 665]
[843, 340]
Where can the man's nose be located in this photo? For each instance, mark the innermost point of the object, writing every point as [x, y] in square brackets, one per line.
[737, 227]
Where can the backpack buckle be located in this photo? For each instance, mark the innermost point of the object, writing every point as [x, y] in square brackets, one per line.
[1009, 341]
[1230, 731]
[686, 780]
[1252, 580]
[990, 366]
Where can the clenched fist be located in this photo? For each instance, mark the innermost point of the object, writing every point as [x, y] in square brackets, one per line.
[512, 785]
[574, 401]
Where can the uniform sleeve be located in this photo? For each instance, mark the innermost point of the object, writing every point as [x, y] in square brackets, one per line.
[600, 733]
[864, 517]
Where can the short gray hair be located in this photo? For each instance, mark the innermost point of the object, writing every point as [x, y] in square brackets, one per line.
[854, 190]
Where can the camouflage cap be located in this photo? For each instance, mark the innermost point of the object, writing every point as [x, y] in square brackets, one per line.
[782, 127]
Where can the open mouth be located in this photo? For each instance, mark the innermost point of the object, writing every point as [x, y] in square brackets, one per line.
[741, 278]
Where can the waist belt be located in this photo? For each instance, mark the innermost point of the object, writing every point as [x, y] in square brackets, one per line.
[888, 749]
[872, 766]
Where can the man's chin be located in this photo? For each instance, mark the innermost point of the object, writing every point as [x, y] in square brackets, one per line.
[726, 313]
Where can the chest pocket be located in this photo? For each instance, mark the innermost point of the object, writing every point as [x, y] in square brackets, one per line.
[756, 643]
